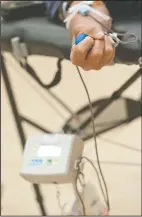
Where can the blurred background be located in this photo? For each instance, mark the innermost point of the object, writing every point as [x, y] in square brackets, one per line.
[118, 126]
[119, 149]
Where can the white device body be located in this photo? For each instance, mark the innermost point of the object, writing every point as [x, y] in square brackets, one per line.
[51, 158]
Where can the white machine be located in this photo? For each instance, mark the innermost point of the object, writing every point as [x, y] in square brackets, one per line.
[51, 158]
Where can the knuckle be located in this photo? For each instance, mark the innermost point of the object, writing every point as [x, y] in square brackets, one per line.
[98, 54]
[87, 68]
[91, 40]
[97, 67]
[108, 51]
[80, 50]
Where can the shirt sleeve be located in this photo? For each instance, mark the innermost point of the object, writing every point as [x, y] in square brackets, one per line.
[52, 7]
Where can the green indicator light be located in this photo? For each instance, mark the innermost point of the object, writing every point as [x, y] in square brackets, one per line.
[49, 161]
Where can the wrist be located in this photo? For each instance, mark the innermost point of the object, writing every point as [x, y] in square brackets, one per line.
[79, 20]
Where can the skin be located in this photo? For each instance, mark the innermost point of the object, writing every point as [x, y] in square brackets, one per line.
[96, 50]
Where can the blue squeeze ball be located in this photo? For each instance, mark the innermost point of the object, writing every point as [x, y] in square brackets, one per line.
[79, 38]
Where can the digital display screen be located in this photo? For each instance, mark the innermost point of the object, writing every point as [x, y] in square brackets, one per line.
[49, 151]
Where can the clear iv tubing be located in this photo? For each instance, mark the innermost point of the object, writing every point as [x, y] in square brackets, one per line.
[87, 10]
[115, 35]
[109, 32]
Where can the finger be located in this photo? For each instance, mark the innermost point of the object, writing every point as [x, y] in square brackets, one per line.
[80, 51]
[110, 61]
[94, 57]
[109, 52]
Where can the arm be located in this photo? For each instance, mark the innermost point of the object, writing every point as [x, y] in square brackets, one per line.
[96, 50]
[79, 20]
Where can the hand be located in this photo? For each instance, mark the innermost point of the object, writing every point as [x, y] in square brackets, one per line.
[96, 50]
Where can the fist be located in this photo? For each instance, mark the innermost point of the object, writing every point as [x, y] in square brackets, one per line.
[96, 50]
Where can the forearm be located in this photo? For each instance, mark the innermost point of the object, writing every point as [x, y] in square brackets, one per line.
[79, 20]
[54, 8]
[99, 5]
[96, 50]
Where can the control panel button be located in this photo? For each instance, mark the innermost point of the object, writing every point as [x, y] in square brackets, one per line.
[56, 161]
[35, 162]
[40, 161]
[49, 162]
